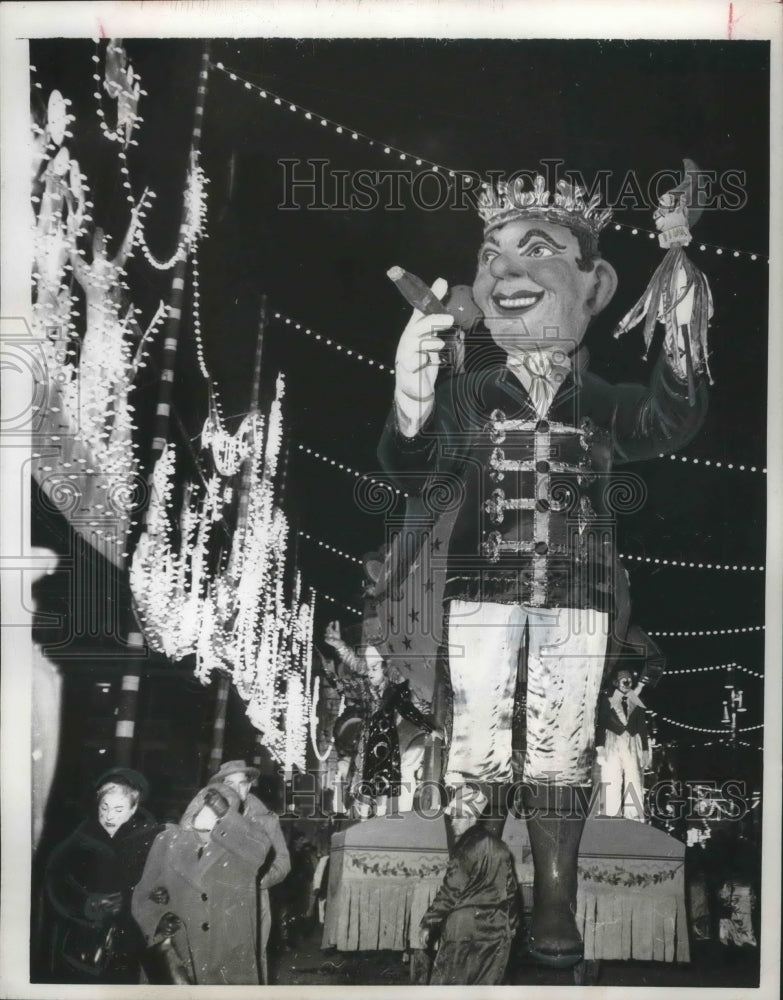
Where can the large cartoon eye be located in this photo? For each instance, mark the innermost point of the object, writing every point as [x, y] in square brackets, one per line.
[540, 250]
[487, 255]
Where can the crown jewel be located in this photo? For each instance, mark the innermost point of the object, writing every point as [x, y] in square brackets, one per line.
[504, 202]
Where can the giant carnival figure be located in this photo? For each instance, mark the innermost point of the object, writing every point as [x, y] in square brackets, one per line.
[527, 446]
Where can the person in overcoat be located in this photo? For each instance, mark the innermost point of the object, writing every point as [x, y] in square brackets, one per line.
[474, 915]
[90, 879]
[199, 889]
[277, 864]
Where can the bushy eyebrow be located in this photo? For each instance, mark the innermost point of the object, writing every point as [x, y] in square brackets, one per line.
[529, 235]
[540, 234]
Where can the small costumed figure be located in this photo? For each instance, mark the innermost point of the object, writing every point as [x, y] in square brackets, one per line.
[623, 747]
[382, 771]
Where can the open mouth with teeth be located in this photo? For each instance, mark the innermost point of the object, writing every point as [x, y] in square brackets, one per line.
[518, 303]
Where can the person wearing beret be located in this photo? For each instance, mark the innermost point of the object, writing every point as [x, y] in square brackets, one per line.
[90, 878]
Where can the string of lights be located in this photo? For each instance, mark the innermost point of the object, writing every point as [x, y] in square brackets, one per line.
[708, 631]
[750, 673]
[194, 229]
[342, 604]
[722, 743]
[728, 667]
[330, 548]
[713, 464]
[355, 135]
[330, 342]
[623, 555]
[717, 666]
[380, 366]
[700, 729]
[719, 250]
[348, 469]
[681, 564]
[195, 279]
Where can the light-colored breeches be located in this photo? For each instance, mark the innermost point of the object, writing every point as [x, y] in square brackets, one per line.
[566, 653]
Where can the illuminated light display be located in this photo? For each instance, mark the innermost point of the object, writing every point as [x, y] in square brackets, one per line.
[238, 620]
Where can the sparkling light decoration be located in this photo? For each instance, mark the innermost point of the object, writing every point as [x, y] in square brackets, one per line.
[237, 620]
[228, 450]
[123, 85]
[192, 229]
[169, 580]
[88, 422]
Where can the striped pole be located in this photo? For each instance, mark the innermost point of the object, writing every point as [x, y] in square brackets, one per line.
[126, 709]
[126, 715]
[171, 338]
[224, 682]
[219, 725]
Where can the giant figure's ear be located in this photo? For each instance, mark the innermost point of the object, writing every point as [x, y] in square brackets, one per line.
[604, 286]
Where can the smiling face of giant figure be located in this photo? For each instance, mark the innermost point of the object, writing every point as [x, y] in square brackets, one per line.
[535, 287]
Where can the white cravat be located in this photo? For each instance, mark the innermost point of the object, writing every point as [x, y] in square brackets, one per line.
[541, 376]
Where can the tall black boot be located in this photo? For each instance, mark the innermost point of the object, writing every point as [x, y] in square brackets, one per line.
[555, 820]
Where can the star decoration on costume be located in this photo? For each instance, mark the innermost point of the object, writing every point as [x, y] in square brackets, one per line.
[435, 545]
[429, 585]
[407, 642]
[414, 616]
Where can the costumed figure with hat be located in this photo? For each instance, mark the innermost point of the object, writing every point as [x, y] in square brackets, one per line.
[623, 747]
[527, 445]
[383, 703]
[90, 879]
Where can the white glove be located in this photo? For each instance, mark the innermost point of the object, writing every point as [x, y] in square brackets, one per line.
[417, 363]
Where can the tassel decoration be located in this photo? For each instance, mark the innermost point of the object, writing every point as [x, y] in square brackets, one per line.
[678, 295]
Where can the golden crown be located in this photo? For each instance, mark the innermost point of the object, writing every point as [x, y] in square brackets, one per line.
[503, 202]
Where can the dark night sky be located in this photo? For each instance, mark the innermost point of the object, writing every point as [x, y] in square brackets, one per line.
[474, 105]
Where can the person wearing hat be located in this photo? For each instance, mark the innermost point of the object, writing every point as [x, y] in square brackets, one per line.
[90, 878]
[384, 769]
[526, 444]
[277, 864]
[199, 884]
[623, 747]
[474, 915]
